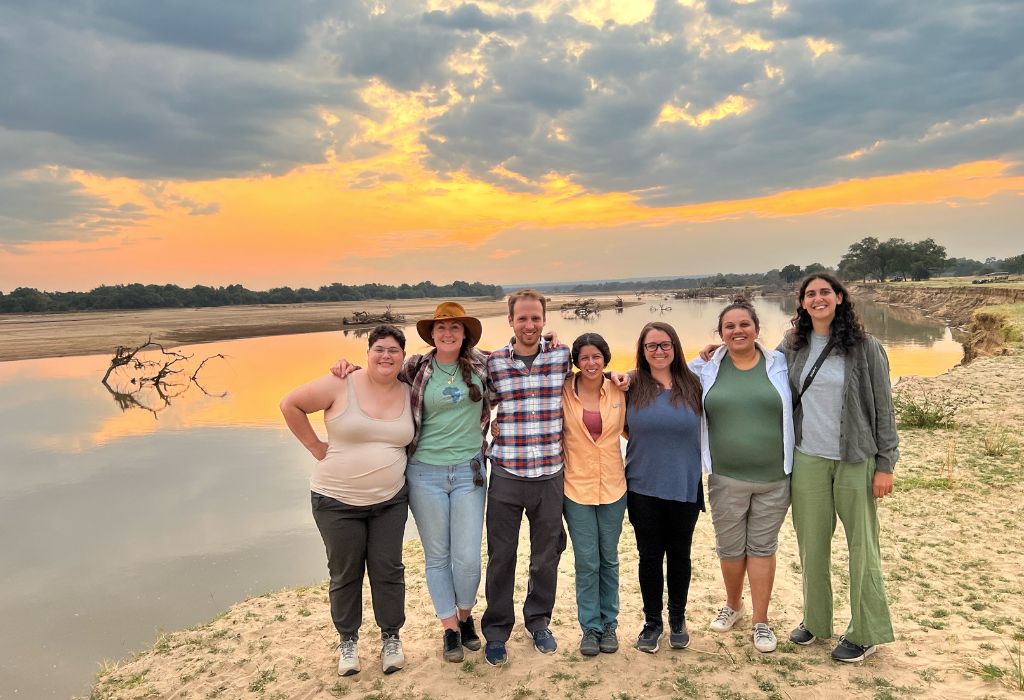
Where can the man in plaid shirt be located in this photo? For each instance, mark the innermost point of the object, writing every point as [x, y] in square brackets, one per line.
[525, 381]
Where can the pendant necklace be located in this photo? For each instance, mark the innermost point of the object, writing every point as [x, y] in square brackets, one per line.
[451, 375]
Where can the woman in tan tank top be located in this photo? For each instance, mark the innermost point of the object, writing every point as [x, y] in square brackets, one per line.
[359, 496]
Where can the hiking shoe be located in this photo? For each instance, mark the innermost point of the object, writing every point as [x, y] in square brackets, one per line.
[495, 654]
[678, 635]
[764, 639]
[848, 652]
[470, 639]
[453, 646]
[609, 640]
[647, 640]
[590, 645]
[392, 658]
[348, 657]
[544, 641]
[726, 618]
[801, 635]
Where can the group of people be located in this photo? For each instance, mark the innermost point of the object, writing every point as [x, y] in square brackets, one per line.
[810, 423]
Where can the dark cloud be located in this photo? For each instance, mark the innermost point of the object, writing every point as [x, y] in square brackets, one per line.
[193, 90]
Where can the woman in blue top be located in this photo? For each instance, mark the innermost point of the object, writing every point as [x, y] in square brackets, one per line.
[664, 494]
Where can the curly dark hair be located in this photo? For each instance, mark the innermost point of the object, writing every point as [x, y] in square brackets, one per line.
[686, 389]
[846, 329]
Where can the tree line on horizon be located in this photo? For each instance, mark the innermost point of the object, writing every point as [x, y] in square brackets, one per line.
[170, 296]
[867, 259]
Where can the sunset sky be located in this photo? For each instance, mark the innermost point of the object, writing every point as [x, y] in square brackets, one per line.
[273, 142]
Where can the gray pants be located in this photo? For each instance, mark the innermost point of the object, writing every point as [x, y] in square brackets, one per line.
[507, 499]
[358, 539]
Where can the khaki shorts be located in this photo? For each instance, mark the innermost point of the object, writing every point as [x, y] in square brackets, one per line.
[747, 515]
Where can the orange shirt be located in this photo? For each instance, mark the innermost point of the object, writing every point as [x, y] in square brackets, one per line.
[594, 470]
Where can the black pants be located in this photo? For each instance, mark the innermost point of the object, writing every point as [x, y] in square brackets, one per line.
[507, 499]
[358, 539]
[664, 532]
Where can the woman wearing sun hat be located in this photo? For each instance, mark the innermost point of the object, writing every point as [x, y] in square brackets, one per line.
[445, 472]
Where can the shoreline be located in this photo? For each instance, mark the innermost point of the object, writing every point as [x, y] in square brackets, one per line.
[36, 336]
[949, 627]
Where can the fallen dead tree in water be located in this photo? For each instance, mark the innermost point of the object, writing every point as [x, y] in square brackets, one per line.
[161, 376]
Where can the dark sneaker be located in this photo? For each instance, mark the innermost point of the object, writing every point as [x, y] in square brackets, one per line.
[848, 652]
[453, 646]
[470, 639]
[678, 635]
[609, 640]
[544, 641]
[801, 635]
[647, 640]
[590, 645]
[495, 654]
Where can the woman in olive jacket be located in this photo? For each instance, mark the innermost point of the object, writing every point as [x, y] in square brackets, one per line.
[846, 447]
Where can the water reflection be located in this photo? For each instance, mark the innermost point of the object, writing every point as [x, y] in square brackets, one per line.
[119, 523]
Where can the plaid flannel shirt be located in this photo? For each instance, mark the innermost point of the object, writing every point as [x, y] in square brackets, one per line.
[417, 371]
[529, 402]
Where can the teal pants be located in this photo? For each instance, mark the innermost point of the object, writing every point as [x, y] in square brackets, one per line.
[595, 532]
[823, 489]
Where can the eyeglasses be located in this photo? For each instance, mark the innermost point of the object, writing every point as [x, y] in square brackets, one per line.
[386, 351]
[664, 346]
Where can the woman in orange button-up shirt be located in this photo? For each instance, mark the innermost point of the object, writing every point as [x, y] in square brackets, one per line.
[595, 489]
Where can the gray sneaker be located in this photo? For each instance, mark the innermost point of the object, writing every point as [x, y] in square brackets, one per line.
[348, 657]
[678, 635]
[647, 640]
[392, 658]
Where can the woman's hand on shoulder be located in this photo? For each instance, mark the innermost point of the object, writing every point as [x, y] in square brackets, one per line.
[620, 380]
[342, 368]
[708, 350]
[881, 486]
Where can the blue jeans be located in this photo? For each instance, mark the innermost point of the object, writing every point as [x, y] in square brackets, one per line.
[595, 531]
[449, 513]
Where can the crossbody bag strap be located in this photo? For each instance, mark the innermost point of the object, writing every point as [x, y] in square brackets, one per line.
[814, 371]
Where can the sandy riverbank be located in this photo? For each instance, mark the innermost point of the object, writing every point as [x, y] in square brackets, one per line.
[29, 336]
[952, 548]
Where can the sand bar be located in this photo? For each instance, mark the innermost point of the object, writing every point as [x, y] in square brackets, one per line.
[29, 336]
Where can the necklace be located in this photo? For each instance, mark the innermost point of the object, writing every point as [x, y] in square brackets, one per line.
[451, 375]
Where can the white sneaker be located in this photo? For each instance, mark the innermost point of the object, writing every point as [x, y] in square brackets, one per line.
[764, 639]
[726, 618]
[392, 658]
[348, 658]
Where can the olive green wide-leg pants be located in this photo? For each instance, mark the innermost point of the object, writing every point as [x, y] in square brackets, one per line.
[821, 490]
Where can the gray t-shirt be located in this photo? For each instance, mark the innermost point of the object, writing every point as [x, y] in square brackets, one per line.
[822, 403]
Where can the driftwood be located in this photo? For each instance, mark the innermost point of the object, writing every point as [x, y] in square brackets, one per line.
[362, 318]
[160, 376]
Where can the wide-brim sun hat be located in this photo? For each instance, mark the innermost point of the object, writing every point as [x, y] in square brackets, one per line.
[450, 311]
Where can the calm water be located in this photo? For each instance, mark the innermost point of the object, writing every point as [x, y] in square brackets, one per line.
[119, 524]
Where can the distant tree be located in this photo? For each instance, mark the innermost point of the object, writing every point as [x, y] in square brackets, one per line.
[814, 267]
[1014, 265]
[791, 273]
[927, 258]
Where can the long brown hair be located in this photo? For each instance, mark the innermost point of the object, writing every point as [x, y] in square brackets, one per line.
[685, 384]
[846, 329]
[466, 368]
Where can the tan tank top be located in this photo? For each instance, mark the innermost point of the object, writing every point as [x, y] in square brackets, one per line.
[365, 462]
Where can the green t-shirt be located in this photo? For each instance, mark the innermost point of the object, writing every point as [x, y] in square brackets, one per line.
[450, 427]
[744, 413]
